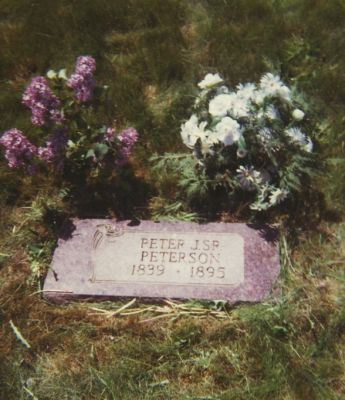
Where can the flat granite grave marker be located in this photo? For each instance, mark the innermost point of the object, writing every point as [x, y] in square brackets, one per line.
[103, 259]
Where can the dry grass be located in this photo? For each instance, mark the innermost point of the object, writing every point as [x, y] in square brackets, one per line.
[181, 350]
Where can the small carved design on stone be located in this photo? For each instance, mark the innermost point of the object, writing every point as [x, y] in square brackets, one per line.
[108, 231]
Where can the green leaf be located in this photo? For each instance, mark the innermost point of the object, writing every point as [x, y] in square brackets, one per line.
[19, 336]
[35, 250]
[64, 193]
[101, 149]
[241, 143]
[90, 153]
[102, 130]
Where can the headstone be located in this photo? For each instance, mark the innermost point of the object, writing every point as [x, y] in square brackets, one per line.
[104, 259]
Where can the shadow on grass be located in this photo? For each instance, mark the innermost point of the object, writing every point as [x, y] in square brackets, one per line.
[122, 197]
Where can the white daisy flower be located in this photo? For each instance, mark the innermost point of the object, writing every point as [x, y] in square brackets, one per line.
[220, 105]
[228, 131]
[246, 91]
[248, 177]
[209, 81]
[297, 114]
[187, 128]
[240, 107]
[191, 131]
[285, 93]
[272, 113]
[300, 138]
[265, 135]
[271, 85]
[309, 145]
[259, 97]
[278, 196]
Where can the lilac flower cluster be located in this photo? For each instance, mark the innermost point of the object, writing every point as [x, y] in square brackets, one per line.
[82, 81]
[19, 151]
[54, 146]
[128, 138]
[42, 102]
[46, 108]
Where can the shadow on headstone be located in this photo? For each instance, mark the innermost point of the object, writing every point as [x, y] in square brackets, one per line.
[67, 230]
[270, 233]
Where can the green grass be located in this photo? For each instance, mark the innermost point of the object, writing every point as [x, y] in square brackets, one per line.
[152, 53]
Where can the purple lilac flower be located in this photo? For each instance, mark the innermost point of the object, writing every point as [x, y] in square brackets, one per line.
[86, 66]
[109, 134]
[54, 146]
[128, 138]
[43, 103]
[19, 151]
[82, 81]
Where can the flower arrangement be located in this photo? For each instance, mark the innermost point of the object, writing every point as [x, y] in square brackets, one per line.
[73, 143]
[252, 143]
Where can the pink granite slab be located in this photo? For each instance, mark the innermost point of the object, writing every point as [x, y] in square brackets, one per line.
[105, 259]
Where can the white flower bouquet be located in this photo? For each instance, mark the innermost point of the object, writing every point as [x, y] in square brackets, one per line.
[251, 141]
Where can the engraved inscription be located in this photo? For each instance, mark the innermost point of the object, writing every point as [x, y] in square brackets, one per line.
[106, 230]
[179, 258]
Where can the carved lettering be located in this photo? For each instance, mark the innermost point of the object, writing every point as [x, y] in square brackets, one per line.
[192, 258]
[144, 254]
